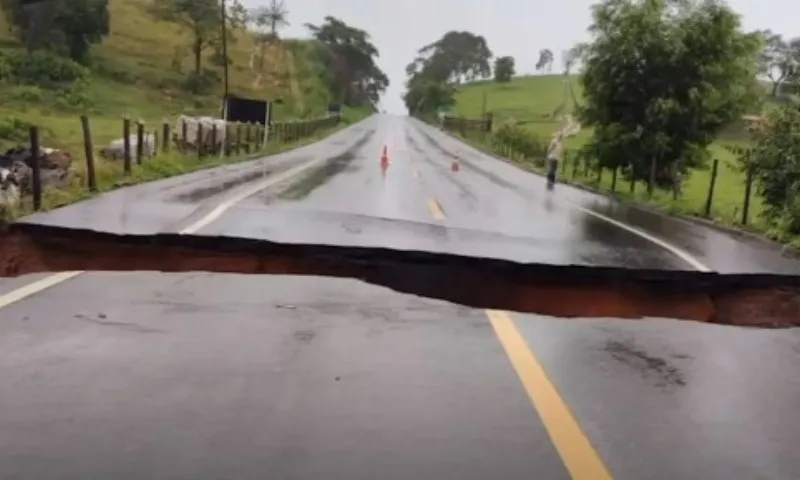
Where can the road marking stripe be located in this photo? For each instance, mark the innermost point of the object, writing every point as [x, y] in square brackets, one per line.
[573, 446]
[576, 451]
[52, 280]
[436, 209]
[35, 287]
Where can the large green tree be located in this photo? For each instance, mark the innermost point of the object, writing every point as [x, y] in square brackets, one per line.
[350, 59]
[661, 79]
[456, 57]
[503, 69]
[67, 26]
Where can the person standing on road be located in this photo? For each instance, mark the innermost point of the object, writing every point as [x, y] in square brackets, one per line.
[555, 154]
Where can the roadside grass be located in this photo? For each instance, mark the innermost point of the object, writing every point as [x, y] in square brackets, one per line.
[530, 103]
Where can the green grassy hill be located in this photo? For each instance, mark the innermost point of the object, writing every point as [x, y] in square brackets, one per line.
[134, 72]
[533, 102]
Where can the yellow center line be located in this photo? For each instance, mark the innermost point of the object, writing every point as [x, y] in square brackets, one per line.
[436, 209]
[573, 446]
[576, 451]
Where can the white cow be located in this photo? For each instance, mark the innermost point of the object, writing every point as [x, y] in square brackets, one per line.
[9, 188]
[116, 148]
[192, 130]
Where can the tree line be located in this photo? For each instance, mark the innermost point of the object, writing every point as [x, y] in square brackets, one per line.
[661, 80]
[67, 30]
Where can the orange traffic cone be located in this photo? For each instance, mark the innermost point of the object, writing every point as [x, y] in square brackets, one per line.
[384, 158]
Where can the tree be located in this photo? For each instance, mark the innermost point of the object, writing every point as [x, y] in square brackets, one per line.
[503, 69]
[545, 60]
[203, 19]
[776, 158]
[349, 57]
[572, 57]
[456, 57]
[779, 59]
[661, 79]
[424, 96]
[273, 16]
[66, 26]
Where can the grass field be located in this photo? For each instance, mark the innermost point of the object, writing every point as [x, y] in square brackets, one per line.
[531, 102]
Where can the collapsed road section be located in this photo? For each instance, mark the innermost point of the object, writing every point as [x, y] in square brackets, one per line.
[762, 300]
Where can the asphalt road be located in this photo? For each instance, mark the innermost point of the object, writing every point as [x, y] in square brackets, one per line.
[165, 376]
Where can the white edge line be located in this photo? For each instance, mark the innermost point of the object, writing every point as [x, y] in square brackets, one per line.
[35, 287]
[52, 280]
[683, 255]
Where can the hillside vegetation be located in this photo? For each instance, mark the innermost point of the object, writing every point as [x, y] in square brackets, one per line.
[139, 70]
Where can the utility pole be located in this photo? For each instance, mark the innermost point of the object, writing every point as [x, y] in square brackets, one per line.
[224, 22]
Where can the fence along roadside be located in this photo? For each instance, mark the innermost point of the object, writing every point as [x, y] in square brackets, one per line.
[583, 170]
[229, 140]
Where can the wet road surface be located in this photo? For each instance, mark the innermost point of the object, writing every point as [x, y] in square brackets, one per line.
[144, 375]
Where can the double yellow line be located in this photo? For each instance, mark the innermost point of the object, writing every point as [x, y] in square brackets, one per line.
[576, 451]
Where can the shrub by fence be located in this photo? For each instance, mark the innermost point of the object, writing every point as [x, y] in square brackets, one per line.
[464, 126]
[238, 142]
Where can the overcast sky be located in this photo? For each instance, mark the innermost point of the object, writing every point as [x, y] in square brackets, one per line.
[519, 28]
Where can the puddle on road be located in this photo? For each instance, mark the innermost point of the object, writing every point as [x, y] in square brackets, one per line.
[318, 176]
[492, 177]
[657, 369]
[204, 193]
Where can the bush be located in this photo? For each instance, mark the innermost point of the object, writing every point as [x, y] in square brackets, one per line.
[112, 73]
[201, 83]
[24, 93]
[14, 130]
[776, 159]
[521, 141]
[41, 68]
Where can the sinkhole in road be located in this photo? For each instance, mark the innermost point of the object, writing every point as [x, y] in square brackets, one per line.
[565, 291]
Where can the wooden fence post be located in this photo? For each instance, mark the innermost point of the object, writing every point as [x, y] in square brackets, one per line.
[238, 138]
[711, 184]
[139, 142]
[748, 187]
[126, 145]
[165, 141]
[184, 135]
[88, 148]
[633, 179]
[614, 178]
[36, 167]
[248, 137]
[199, 140]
